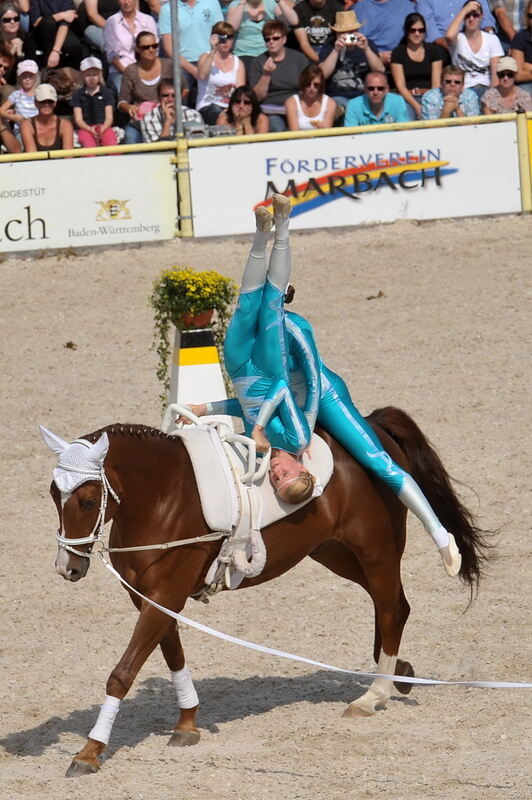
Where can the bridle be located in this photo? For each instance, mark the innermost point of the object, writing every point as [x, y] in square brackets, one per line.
[97, 474]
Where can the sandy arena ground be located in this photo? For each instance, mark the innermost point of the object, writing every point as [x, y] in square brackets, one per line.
[448, 341]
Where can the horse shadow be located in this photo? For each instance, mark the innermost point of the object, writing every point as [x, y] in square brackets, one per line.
[153, 710]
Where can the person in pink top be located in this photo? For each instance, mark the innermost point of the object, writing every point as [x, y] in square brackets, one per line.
[119, 36]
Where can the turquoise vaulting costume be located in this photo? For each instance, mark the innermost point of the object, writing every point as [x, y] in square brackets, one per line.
[283, 385]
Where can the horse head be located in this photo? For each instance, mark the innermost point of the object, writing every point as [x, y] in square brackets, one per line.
[79, 490]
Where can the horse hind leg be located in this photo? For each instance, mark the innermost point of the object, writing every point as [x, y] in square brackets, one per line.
[391, 613]
[185, 731]
[343, 562]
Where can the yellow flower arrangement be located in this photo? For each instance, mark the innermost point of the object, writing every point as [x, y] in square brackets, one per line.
[181, 293]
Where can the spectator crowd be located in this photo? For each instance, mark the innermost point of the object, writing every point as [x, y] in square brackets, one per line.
[99, 72]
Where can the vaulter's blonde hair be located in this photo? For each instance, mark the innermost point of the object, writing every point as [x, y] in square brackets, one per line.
[298, 490]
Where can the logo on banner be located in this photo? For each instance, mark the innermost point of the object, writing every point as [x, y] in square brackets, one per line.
[112, 210]
[352, 176]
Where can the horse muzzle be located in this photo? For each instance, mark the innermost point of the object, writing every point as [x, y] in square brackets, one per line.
[71, 567]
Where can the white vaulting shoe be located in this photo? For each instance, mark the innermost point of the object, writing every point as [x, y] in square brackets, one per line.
[450, 555]
[263, 219]
[281, 206]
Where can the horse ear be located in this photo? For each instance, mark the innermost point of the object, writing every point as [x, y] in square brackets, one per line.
[55, 443]
[99, 449]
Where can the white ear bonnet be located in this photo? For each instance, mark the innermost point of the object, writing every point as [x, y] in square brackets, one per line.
[78, 462]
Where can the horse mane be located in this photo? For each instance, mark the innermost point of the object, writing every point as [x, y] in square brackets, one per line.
[131, 430]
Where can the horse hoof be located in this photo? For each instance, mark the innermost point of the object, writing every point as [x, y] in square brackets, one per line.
[184, 738]
[78, 768]
[406, 669]
[357, 711]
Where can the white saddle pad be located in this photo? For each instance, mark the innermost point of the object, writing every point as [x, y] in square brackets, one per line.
[219, 493]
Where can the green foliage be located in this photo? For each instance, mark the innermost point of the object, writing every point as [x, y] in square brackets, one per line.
[182, 291]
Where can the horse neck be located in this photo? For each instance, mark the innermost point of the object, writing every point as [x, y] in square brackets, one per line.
[141, 466]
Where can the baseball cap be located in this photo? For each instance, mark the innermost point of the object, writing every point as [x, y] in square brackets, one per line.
[27, 66]
[91, 62]
[507, 63]
[45, 92]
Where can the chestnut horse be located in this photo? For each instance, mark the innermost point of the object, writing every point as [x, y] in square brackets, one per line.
[357, 529]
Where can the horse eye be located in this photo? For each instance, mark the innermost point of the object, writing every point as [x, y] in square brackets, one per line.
[87, 504]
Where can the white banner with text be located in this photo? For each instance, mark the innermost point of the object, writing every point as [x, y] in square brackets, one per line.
[87, 201]
[425, 173]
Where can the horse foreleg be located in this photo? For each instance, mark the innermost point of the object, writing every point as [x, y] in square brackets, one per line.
[150, 628]
[185, 732]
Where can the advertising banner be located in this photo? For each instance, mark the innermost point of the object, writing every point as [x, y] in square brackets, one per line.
[426, 173]
[87, 201]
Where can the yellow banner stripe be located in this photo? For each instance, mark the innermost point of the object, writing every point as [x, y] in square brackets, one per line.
[188, 356]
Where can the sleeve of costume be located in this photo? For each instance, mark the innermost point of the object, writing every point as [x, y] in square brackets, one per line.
[230, 407]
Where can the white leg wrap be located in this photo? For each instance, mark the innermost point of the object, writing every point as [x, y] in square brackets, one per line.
[187, 697]
[104, 724]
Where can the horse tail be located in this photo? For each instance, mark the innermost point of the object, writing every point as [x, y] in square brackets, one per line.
[435, 482]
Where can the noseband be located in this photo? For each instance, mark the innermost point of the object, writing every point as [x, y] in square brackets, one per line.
[97, 532]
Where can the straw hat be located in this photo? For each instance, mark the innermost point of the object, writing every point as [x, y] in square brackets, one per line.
[346, 21]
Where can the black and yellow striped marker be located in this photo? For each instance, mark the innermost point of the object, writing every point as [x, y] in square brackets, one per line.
[196, 375]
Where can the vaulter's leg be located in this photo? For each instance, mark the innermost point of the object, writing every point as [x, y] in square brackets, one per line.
[340, 417]
[185, 732]
[150, 629]
[242, 329]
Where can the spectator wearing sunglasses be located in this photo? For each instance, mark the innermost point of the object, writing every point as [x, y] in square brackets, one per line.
[12, 34]
[219, 73]
[506, 97]
[244, 114]
[138, 92]
[159, 124]
[311, 108]
[452, 100]
[439, 15]
[416, 65]
[474, 50]
[119, 35]
[274, 76]
[377, 106]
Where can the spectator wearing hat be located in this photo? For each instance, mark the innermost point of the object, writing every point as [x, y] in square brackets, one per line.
[506, 97]
[521, 50]
[120, 33]
[452, 99]
[46, 131]
[94, 107]
[159, 124]
[351, 58]
[21, 103]
[274, 76]
[382, 22]
[53, 25]
[377, 106]
[314, 31]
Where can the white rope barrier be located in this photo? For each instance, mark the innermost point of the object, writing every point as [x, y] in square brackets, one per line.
[281, 654]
